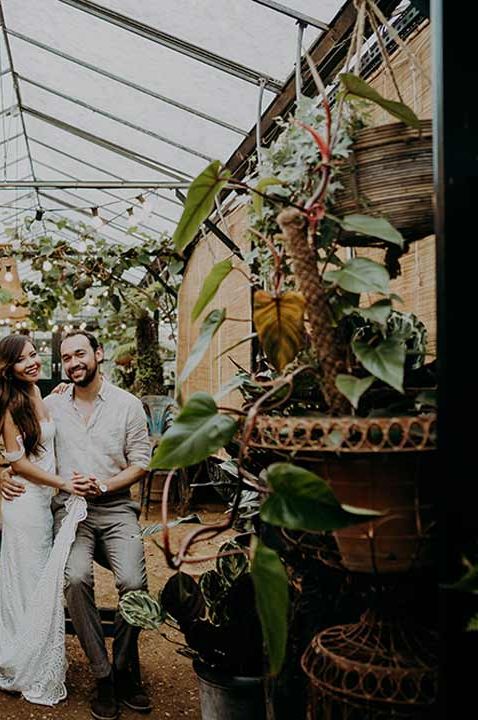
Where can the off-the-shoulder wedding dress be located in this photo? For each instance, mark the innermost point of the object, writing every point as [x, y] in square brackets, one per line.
[32, 620]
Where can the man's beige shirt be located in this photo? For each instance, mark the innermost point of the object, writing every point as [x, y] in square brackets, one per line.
[115, 436]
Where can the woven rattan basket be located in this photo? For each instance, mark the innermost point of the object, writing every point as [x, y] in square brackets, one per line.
[389, 174]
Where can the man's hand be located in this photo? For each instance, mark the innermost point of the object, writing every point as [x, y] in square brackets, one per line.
[10, 488]
[60, 389]
[85, 485]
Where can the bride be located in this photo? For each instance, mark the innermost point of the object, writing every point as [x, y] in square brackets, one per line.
[32, 621]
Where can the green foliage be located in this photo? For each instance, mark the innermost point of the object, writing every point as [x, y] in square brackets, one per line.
[360, 275]
[199, 203]
[209, 328]
[198, 431]
[211, 285]
[138, 608]
[301, 500]
[353, 388]
[272, 600]
[372, 227]
[355, 87]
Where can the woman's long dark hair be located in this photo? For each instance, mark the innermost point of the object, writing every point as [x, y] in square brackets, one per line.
[14, 395]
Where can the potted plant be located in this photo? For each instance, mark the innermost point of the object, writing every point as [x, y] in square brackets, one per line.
[336, 367]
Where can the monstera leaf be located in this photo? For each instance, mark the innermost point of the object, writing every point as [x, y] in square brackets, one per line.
[279, 321]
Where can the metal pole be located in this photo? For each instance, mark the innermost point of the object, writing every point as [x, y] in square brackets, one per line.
[301, 17]
[92, 184]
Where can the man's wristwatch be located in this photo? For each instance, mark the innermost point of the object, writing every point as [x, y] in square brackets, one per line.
[103, 487]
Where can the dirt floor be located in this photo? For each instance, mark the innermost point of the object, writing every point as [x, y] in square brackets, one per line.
[167, 675]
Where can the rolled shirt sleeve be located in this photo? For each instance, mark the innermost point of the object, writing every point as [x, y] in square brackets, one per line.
[137, 443]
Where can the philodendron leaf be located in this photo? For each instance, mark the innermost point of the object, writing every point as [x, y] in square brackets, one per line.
[257, 199]
[304, 501]
[358, 88]
[467, 583]
[138, 608]
[360, 275]
[378, 312]
[279, 321]
[353, 388]
[209, 327]
[385, 361]
[372, 227]
[211, 285]
[199, 202]
[198, 431]
[272, 602]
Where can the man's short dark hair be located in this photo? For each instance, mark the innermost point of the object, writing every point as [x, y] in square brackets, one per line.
[89, 336]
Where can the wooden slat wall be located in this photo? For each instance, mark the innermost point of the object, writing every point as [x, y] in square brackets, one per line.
[234, 294]
[416, 284]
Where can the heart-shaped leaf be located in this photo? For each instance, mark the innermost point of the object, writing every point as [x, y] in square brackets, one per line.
[272, 602]
[358, 88]
[372, 227]
[199, 203]
[138, 608]
[360, 275]
[209, 328]
[386, 360]
[198, 431]
[303, 501]
[279, 321]
[353, 388]
[211, 285]
[378, 312]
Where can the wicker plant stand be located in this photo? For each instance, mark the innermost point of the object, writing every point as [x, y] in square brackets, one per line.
[385, 665]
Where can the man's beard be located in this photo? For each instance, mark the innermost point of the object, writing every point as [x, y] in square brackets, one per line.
[90, 374]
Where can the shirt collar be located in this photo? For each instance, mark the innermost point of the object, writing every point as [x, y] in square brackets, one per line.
[103, 392]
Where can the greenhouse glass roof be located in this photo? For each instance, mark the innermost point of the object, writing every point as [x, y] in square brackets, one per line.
[145, 93]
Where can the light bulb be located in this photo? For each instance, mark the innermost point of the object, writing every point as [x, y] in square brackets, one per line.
[8, 277]
[47, 266]
[13, 308]
[132, 220]
[83, 326]
[55, 328]
[82, 246]
[123, 326]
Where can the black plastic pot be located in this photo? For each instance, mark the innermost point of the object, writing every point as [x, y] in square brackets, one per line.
[229, 697]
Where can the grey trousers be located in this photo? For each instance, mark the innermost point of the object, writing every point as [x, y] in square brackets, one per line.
[110, 531]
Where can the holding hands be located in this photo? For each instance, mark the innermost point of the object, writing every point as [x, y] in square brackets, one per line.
[82, 485]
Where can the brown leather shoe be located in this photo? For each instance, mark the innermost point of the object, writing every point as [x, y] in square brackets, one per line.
[104, 705]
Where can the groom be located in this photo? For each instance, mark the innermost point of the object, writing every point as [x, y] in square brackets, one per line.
[101, 430]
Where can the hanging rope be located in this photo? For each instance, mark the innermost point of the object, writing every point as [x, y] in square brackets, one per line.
[298, 60]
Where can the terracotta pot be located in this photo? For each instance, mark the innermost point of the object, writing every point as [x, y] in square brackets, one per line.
[399, 485]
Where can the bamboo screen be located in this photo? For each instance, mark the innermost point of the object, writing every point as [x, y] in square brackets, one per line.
[234, 295]
[416, 284]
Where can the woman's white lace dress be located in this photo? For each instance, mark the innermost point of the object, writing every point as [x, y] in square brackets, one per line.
[32, 620]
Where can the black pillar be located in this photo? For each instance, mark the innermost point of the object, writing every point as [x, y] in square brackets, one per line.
[455, 46]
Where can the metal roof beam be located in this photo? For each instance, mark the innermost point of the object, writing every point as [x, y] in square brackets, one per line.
[11, 139]
[90, 184]
[110, 194]
[177, 44]
[17, 199]
[16, 88]
[127, 83]
[300, 17]
[108, 145]
[115, 118]
[117, 225]
[9, 110]
[95, 167]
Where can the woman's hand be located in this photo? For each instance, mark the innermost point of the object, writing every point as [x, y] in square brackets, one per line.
[60, 389]
[84, 485]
